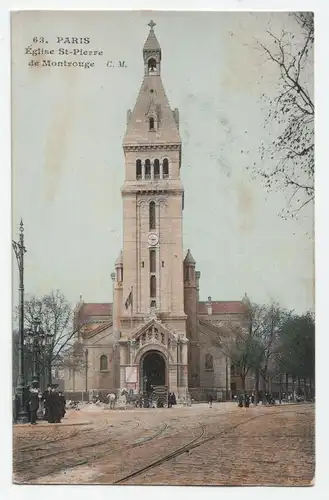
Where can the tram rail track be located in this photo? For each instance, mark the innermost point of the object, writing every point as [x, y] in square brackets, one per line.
[61, 451]
[50, 469]
[187, 447]
[83, 461]
[39, 445]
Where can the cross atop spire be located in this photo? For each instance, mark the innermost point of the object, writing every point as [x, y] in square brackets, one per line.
[151, 24]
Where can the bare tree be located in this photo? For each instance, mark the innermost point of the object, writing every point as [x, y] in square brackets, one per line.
[253, 342]
[292, 112]
[56, 316]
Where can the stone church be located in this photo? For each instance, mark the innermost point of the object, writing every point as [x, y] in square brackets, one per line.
[156, 331]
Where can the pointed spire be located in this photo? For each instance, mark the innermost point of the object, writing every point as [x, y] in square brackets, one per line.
[151, 42]
[119, 261]
[189, 258]
[152, 102]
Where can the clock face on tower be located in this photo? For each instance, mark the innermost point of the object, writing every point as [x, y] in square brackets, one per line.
[153, 239]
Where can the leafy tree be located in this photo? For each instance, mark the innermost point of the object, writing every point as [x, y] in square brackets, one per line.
[292, 112]
[296, 355]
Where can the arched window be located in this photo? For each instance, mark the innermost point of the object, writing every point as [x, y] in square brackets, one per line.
[152, 65]
[147, 169]
[153, 304]
[151, 123]
[165, 168]
[209, 362]
[152, 215]
[138, 169]
[153, 286]
[103, 363]
[156, 169]
[152, 261]
[232, 370]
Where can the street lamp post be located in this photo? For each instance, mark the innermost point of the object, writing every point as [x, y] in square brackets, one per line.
[19, 249]
[37, 340]
[86, 372]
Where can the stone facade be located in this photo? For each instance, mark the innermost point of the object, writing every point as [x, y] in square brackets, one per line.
[156, 309]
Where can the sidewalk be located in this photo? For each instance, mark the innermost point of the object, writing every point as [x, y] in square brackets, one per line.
[43, 423]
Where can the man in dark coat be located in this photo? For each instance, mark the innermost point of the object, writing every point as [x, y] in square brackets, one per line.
[173, 399]
[246, 401]
[54, 407]
[33, 404]
[210, 400]
[169, 400]
[57, 405]
[45, 396]
[63, 403]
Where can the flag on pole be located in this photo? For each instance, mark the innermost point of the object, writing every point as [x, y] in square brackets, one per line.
[129, 301]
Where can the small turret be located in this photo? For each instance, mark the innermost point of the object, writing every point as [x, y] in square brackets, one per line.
[246, 300]
[189, 267]
[119, 267]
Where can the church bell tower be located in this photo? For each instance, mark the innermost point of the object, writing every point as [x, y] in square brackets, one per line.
[153, 197]
[150, 317]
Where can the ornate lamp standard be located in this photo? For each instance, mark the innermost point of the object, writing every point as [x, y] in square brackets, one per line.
[38, 340]
[19, 249]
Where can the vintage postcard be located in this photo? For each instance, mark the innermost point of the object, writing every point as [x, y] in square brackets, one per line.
[163, 248]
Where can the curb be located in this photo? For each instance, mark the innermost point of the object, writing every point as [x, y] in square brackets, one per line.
[46, 424]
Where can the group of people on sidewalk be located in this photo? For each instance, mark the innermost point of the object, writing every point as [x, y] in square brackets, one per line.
[53, 400]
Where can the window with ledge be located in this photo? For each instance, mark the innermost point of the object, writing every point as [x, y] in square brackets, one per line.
[138, 169]
[152, 215]
[209, 363]
[153, 288]
[147, 169]
[152, 261]
[165, 168]
[151, 123]
[156, 169]
[103, 363]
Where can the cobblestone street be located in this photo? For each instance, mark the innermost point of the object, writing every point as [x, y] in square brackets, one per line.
[223, 445]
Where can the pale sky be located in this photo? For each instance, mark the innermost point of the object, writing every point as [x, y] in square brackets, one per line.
[68, 163]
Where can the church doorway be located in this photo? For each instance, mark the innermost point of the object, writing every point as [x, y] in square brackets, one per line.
[153, 371]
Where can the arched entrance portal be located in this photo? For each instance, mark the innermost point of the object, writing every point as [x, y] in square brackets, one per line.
[153, 370]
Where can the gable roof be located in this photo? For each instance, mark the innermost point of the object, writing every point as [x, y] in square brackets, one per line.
[223, 307]
[94, 331]
[162, 327]
[88, 310]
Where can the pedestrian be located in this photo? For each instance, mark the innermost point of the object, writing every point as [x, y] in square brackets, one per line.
[33, 403]
[246, 401]
[169, 400]
[57, 406]
[54, 406]
[45, 396]
[210, 400]
[63, 403]
[240, 404]
[173, 399]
